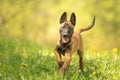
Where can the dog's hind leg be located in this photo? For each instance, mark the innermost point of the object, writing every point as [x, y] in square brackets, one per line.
[80, 53]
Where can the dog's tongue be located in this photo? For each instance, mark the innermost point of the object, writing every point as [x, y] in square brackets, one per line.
[65, 39]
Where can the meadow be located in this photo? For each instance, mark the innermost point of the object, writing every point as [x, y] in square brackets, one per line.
[29, 29]
[22, 59]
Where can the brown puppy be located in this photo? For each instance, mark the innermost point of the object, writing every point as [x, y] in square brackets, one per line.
[69, 42]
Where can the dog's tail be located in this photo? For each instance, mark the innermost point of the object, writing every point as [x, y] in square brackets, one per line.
[88, 27]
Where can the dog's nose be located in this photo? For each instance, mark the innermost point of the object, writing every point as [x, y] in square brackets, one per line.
[65, 35]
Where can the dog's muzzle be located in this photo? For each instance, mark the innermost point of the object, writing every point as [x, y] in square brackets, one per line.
[65, 39]
[65, 35]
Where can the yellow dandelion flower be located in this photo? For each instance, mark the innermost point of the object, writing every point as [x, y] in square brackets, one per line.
[94, 72]
[115, 50]
[24, 65]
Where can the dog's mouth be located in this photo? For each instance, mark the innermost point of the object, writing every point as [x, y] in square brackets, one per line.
[65, 39]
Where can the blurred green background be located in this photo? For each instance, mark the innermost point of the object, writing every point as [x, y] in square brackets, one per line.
[38, 20]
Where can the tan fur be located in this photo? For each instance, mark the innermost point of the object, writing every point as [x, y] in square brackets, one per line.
[76, 44]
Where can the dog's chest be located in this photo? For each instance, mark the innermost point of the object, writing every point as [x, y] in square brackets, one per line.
[62, 49]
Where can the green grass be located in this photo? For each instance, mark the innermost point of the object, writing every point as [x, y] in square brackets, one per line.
[26, 60]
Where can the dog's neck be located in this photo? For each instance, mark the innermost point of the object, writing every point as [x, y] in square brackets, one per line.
[65, 46]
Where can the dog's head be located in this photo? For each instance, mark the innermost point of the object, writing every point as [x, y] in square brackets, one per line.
[67, 27]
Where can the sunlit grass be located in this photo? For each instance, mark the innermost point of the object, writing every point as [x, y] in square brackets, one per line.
[26, 60]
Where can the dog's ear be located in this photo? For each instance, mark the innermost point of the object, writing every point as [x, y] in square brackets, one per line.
[63, 17]
[73, 19]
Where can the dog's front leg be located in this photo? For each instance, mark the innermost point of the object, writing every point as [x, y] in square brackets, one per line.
[67, 61]
[58, 58]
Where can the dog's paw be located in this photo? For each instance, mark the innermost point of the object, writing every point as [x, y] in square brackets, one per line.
[80, 71]
[61, 72]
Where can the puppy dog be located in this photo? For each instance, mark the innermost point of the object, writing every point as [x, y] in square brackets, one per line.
[69, 42]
